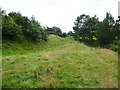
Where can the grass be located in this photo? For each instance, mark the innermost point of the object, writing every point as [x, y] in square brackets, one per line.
[59, 63]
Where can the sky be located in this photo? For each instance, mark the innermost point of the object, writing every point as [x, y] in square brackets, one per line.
[61, 13]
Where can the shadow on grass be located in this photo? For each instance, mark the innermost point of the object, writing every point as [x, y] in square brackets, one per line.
[114, 45]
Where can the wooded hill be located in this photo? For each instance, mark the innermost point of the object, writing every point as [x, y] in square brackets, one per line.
[88, 30]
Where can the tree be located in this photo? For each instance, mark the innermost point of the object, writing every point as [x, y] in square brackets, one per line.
[105, 30]
[9, 28]
[54, 30]
[3, 12]
[91, 26]
[20, 20]
[31, 28]
[78, 28]
[57, 31]
[85, 27]
[70, 33]
[35, 31]
[44, 35]
[117, 28]
[50, 30]
[64, 35]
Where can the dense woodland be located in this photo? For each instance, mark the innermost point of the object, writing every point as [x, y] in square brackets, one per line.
[88, 30]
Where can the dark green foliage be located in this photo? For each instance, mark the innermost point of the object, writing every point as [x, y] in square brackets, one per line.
[18, 18]
[64, 35]
[54, 30]
[79, 28]
[0, 29]
[115, 45]
[9, 28]
[3, 12]
[15, 24]
[70, 33]
[21, 20]
[85, 27]
[44, 35]
[91, 24]
[50, 30]
[57, 31]
[101, 33]
[34, 31]
[117, 28]
[105, 30]
[94, 33]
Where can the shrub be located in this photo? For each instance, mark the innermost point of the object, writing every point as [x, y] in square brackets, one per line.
[9, 28]
[115, 45]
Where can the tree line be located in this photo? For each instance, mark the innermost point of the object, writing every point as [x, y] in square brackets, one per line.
[91, 28]
[104, 33]
[14, 25]
[86, 29]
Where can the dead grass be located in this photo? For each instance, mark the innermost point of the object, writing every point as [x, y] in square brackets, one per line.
[108, 52]
[110, 82]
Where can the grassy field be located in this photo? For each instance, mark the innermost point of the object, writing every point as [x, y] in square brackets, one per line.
[59, 63]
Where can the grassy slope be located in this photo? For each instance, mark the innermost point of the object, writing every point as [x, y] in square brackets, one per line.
[73, 65]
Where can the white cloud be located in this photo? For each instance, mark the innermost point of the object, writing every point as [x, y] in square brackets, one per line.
[61, 13]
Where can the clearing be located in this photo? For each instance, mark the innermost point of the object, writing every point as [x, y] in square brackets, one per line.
[63, 63]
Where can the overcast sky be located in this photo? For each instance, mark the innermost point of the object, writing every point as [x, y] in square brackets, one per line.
[61, 13]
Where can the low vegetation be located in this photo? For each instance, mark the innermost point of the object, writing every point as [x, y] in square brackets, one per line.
[62, 63]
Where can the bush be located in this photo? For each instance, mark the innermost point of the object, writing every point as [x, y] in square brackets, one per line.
[115, 45]
[9, 28]
[15, 24]
[35, 32]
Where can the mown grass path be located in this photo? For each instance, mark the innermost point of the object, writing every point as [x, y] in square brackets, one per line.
[63, 63]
